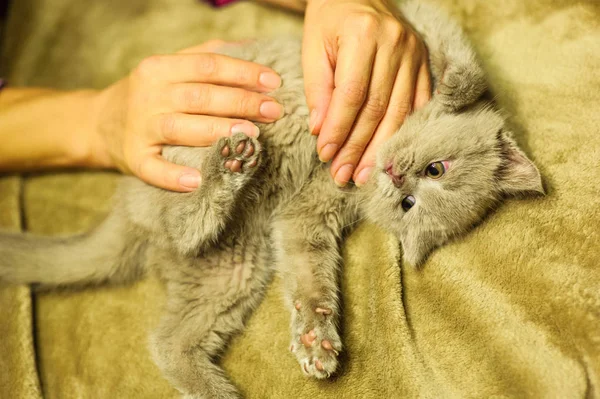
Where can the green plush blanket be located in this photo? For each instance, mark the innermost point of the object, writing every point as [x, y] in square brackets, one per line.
[512, 310]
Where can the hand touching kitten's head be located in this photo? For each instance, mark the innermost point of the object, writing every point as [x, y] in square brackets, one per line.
[441, 173]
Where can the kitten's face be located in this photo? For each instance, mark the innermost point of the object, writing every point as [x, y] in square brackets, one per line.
[441, 173]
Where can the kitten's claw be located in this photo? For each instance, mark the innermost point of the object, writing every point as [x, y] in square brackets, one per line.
[323, 311]
[327, 345]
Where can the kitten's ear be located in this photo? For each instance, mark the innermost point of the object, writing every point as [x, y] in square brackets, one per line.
[518, 174]
[415, 249]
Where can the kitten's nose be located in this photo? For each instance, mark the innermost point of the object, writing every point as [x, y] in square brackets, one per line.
[398, 180]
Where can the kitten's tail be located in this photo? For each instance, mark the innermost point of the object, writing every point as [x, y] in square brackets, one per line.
[106, 253]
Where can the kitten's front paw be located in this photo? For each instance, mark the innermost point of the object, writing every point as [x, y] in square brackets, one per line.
[240, 153]
[315, 339]
[460, 86]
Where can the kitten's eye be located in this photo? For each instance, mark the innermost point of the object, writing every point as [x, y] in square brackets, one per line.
[408, 202]
[435, 170]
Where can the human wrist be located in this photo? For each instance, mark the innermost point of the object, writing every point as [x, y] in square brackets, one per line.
[57, 127]
[80, 128]
[100, 126]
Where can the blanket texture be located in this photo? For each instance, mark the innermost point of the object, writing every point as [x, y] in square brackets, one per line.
[512, 310]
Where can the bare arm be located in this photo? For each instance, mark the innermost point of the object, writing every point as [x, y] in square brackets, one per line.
[191, 98]
[42, 128]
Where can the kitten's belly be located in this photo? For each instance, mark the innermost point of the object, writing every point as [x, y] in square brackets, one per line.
[290, 149]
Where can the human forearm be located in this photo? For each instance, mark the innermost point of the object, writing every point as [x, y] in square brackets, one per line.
[42, 129]
[190, 98]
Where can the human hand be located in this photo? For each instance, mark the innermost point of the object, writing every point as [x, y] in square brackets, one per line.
[191, 98]
[365, 70]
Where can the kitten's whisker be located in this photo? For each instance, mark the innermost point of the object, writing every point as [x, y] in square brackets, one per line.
[354, 222]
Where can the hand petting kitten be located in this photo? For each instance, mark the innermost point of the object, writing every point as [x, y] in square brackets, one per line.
[365, 70]
[191, 98]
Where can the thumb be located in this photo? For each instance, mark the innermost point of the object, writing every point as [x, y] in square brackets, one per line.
[318, 79]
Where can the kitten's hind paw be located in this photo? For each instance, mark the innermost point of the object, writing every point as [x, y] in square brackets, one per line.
[240, 153]
[315, 341]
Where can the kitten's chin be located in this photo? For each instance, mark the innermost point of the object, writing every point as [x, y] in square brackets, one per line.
[383, 210]
[415, 249]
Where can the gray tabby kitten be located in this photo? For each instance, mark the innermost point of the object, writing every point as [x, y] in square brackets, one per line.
[269, 204]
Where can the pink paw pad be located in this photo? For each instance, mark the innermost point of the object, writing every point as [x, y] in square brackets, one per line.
[240, 147]
[319, 365]
[239, 156]
[225, 151]
[308, 339]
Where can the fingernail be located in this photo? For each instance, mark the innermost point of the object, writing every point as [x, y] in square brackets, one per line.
[328, 152]
[363, 176]
[270, 80]
[248, 129]
[343, 175]
[271, 110]
[190, 181]
[312, 122]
